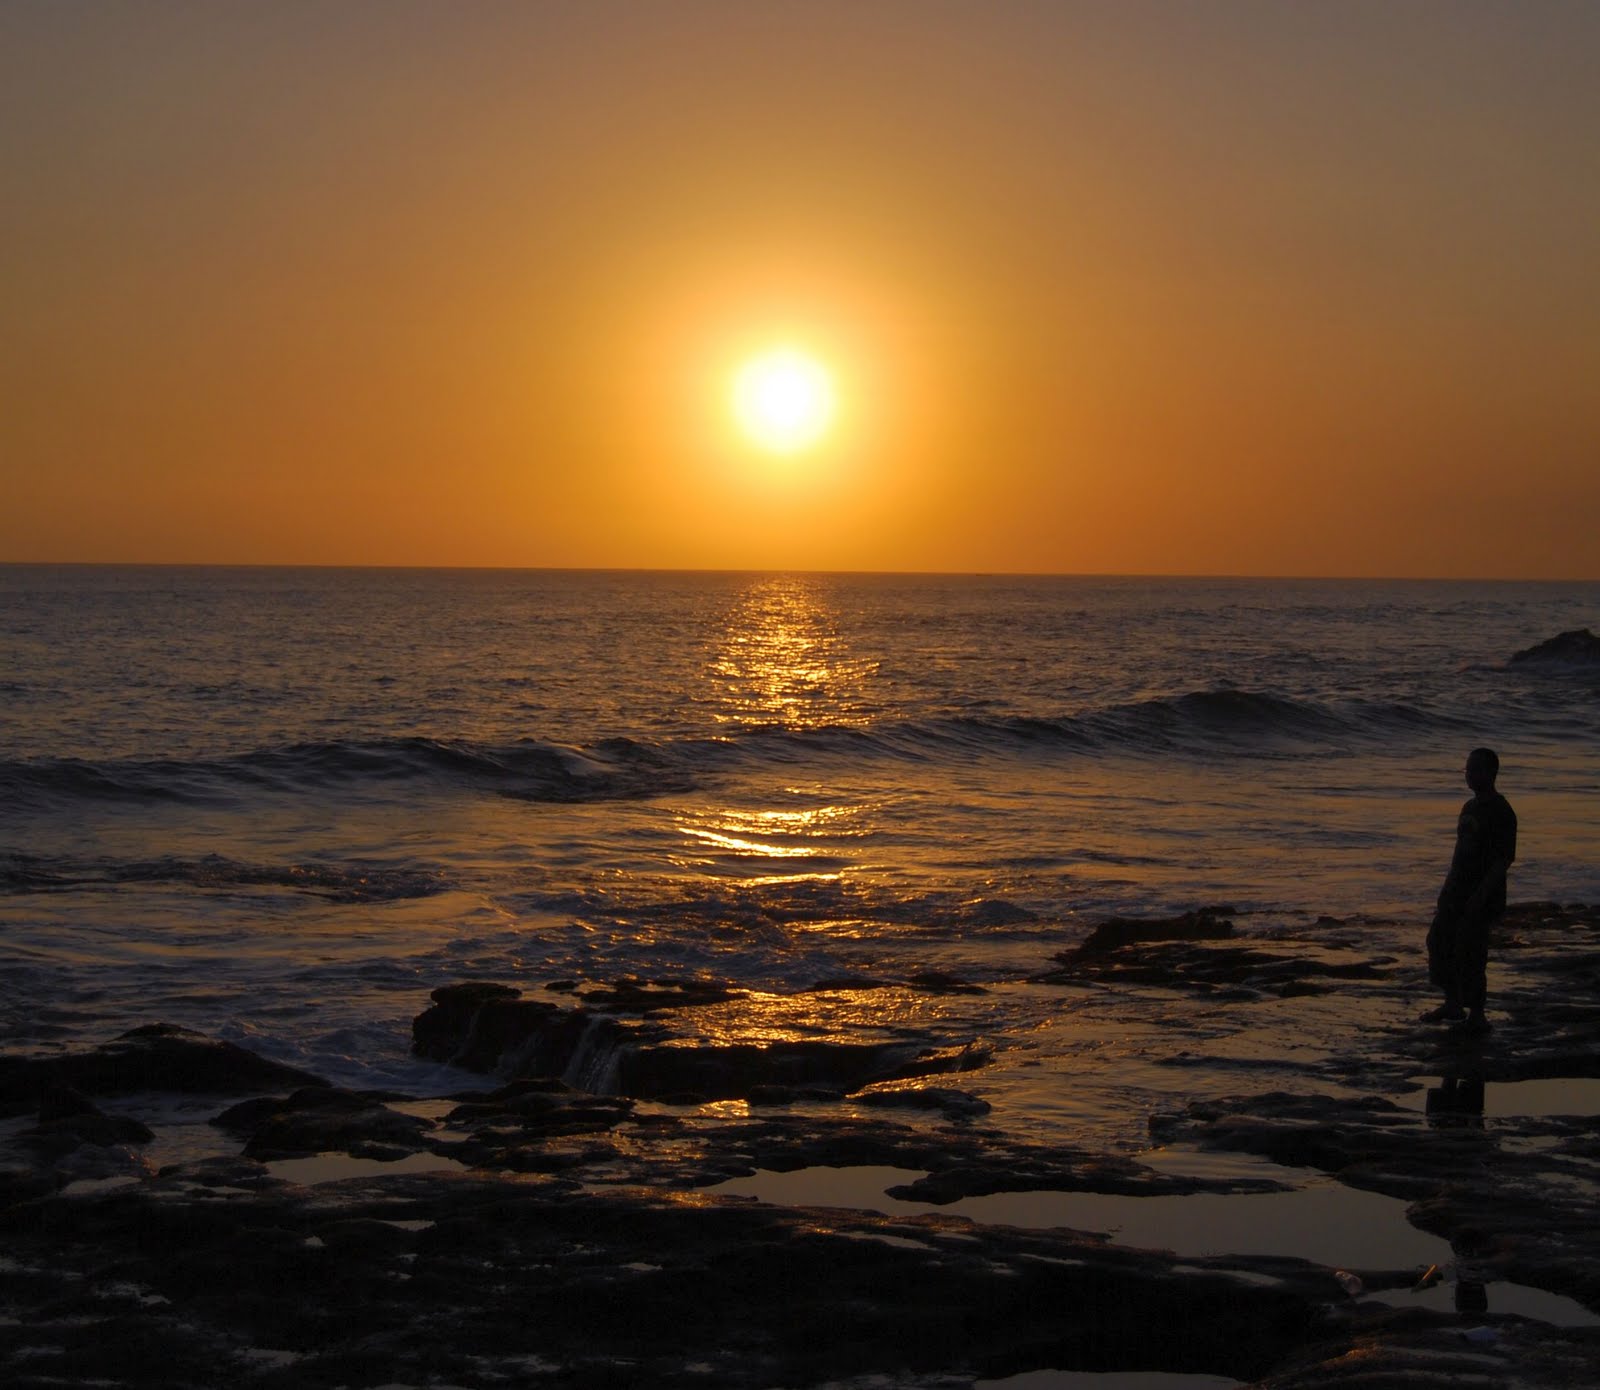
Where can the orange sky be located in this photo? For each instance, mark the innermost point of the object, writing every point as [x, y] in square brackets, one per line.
[1237, 288]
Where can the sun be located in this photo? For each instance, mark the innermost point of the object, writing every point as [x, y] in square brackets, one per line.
[783, 400]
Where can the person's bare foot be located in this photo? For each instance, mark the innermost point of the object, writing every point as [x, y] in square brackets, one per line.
[1475, 1025]
[1445, 1013]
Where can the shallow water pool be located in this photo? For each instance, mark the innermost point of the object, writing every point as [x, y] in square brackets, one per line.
[1106, 1380]
[1322, 1221]
[334, 1167]
[1505, 1100]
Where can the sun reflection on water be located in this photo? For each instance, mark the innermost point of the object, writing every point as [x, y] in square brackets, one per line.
[840, 1015]
[783, 661]
[772, 846]
[774, 834]
[769, 848]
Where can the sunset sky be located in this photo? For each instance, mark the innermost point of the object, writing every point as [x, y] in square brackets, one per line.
[1125, 287]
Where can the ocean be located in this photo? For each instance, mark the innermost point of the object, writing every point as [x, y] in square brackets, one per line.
[281, 805]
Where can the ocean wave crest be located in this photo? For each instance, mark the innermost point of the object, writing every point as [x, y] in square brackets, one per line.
[1215, 722]
[349, 882]
[529, 769]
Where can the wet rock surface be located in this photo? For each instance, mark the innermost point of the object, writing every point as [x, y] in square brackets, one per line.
[157, 1057]
[1168, 952]
[1203, 924]
[488, 1280]
[320, 1119]
[1577, 648]
[574, 1236]
[602, 1044]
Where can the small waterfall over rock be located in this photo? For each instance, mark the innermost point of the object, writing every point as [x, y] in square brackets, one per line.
[596, 1059]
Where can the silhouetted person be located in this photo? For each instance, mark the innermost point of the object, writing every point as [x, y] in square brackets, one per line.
[1473, 897]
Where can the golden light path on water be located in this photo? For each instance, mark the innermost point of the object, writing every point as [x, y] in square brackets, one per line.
[782, 664]
[752, 832]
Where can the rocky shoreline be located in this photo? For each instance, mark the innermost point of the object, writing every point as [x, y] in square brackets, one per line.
[569, 1233]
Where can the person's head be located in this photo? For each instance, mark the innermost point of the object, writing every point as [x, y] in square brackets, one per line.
[1483, 766]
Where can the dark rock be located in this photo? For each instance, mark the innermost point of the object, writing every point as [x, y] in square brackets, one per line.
[366, 1237]
[55, 1138]
[1200, 925]
[244, 1118]
[1579, 647]
[325, 1120]
[536, 1110]
[844, 984]
[732, 1071]
[937, 982]
[99, 1163]
[649, 996]
[606, 1290]
[377, 1150]
[64, 1102]
[220, 1172]
[157, 1057]
[996, 912]
[1227, 974]
[124, 1346]
[468, 994]
[1038, 1170]
[1399, 1351]
[68, 1119]
[793, 1095]
[482, 1027]
[956, 1105]
[23, 1184]
[515, 1090]
[647, 1060]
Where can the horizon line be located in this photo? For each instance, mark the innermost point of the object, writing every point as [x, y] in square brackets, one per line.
[732, 570]
[795, 570]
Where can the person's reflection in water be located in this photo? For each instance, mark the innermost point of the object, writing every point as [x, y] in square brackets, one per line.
[1472, 1291]
[1457, 1101]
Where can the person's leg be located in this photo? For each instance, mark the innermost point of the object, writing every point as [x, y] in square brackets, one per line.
[1444, 968]
[1472, 947]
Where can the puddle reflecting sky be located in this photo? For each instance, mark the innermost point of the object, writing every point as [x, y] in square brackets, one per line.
[333, 1167]
[1323, 1221]
[1106, 1380]
[1506, 1100]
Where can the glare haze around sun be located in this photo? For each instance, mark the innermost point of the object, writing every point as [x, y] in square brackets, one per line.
[783, 400]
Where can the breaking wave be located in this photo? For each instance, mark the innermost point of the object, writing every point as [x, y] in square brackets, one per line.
[538, 771]
[350, 882]
[1219, 722]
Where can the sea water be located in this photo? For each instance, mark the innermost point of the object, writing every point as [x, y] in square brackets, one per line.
[281, 805]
